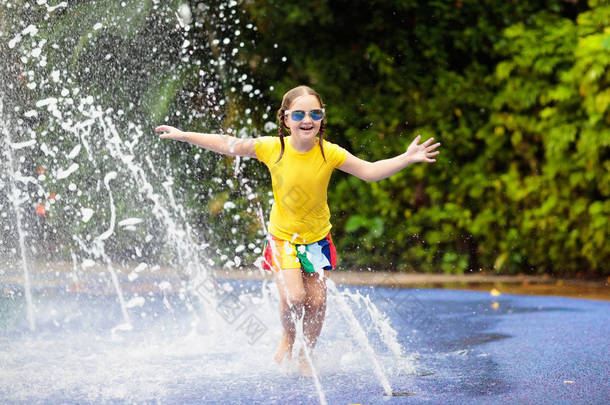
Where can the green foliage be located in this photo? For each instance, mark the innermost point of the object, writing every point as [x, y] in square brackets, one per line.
[551, 103]
[517, 92]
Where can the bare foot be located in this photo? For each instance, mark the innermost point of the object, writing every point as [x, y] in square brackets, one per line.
[304, 366]
[284, 349]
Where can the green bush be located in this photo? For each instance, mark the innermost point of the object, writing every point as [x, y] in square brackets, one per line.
[516, 92]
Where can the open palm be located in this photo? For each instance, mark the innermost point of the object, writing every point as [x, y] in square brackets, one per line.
[422, 152]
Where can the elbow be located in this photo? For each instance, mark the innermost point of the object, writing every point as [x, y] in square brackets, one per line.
[363, 170]
[368, 178]
[374, 175]
[369, 174]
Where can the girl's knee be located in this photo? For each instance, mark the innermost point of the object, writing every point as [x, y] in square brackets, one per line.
[292, 299]
[296, 299]
[315, 302]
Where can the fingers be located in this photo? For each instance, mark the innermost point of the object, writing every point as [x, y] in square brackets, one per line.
[427, 142]
[169, 132]
[428, 149]
[165, 128]
[431, 148]
[415, 141]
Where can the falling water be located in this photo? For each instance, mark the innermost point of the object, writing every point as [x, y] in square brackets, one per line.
[147, 222]
[16, 202]
[360, 337]
[104, 202]
[384, 329]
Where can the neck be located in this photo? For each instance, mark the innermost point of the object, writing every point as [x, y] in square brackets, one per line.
[302, 145]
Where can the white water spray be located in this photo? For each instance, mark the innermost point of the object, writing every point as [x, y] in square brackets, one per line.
[16, 202]
[360, 337]
[147, 188]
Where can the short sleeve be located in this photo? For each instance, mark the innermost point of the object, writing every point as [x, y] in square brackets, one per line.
[264, 147]
[335, 154]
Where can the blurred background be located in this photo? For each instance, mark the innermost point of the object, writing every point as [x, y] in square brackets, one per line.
[518, 93]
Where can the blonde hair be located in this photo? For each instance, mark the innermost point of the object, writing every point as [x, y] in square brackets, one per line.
[287, 101]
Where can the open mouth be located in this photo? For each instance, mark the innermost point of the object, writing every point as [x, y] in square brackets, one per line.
[306, 128]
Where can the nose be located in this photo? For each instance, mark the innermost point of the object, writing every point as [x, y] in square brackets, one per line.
[307, 117]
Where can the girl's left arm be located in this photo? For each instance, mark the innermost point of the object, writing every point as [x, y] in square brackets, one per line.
[381, 169]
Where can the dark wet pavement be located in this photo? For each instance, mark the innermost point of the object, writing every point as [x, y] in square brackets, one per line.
[461, 347]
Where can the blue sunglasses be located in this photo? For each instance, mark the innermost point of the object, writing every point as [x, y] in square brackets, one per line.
[299, 115]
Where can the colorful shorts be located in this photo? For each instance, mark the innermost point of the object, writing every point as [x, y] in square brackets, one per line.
[283, 254]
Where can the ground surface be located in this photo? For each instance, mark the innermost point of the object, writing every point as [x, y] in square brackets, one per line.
[433, 346]
[525, 285]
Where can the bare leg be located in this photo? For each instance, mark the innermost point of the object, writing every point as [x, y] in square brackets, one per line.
[315, 311]
[292, 297]
[315, 307]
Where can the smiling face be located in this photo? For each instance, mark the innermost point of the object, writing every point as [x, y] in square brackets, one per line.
[307, 128]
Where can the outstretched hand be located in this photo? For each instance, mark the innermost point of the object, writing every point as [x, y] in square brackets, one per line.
[422, 152]
[170, 133]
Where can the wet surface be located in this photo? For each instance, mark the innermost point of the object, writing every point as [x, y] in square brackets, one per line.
[457, 347]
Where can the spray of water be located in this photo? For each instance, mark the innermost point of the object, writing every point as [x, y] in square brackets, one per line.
[360, 337]
[90, 186]
[16, 201]
[99, 193]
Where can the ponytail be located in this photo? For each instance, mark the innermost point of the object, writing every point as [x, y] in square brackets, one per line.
[321, 140]
[280, 118]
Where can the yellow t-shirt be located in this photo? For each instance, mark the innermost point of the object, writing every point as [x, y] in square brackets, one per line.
[300, 210]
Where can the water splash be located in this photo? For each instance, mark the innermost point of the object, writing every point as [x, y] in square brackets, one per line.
[97, 163]
[360, 337]
[98, 190]
[16, 201]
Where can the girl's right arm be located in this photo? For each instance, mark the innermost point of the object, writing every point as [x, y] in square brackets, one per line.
[225, 144]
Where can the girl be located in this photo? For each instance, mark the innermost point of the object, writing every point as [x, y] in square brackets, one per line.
[300, 249]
